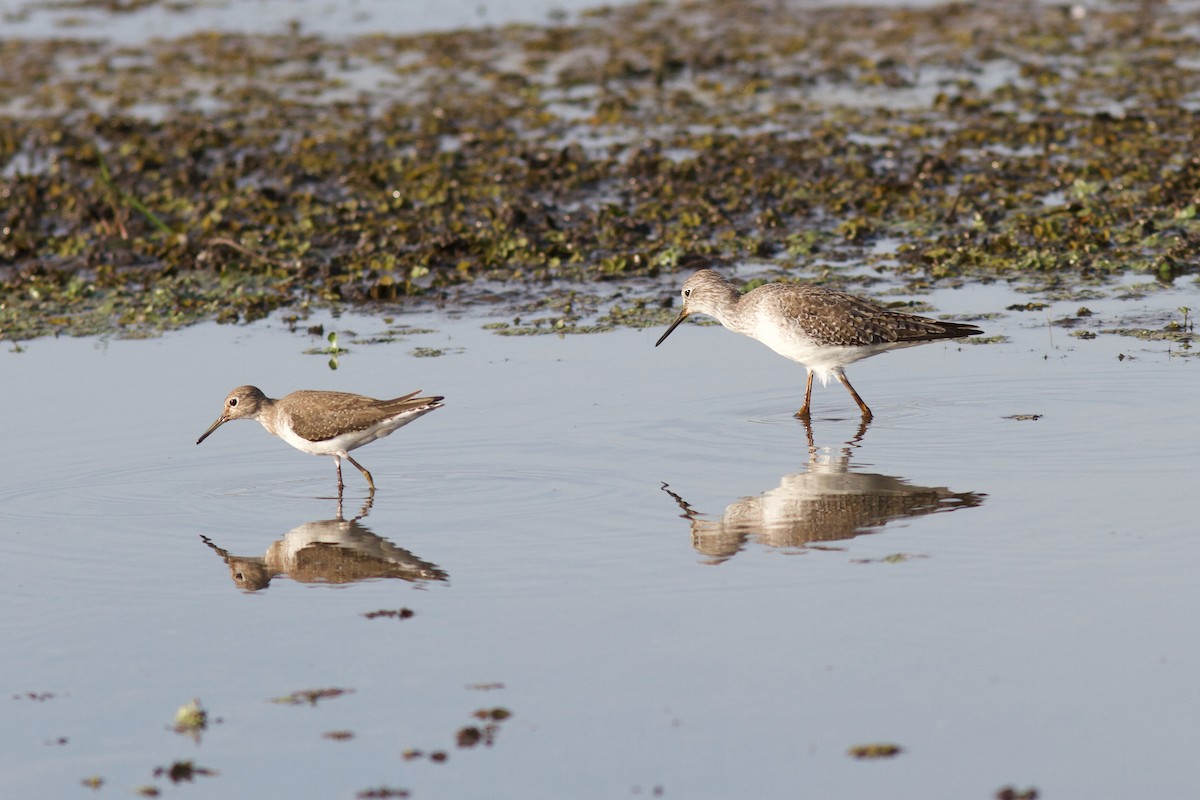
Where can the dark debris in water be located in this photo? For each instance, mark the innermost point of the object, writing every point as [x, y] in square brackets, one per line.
[496, 714]
[181, 771]
[223, 176]
[468, 736]
[1011, 793]
[472, 735]
[382, 792]
[394, 613]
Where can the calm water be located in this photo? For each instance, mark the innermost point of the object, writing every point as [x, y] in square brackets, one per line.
[1038, 628]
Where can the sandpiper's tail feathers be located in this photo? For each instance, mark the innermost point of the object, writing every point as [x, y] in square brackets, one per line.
[908, 328]
[411, 401]
[954, 330]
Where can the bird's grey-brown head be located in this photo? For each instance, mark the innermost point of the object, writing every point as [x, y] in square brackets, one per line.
[703, 293]
[242, 402]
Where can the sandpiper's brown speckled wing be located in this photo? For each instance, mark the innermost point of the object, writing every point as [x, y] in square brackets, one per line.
[341, 412]
[843, 320]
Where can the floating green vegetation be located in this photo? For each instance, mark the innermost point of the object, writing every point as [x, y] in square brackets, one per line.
[431, 352]
[894, 558]
[191, 719]
[1145, 334]
[223, 176]
[639, 313]
[333, 350]
[310, 696]
[882, 750]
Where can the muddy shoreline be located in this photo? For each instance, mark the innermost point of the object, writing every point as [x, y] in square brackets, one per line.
[225, 176]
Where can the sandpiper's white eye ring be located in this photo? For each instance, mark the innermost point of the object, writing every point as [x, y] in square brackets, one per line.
[232, 402]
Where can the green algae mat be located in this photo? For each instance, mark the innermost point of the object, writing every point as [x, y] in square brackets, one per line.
[224, 176]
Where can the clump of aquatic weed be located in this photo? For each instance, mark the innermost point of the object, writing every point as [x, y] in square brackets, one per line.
[223, 176]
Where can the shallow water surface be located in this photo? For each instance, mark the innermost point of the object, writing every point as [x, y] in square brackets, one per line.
[637, 552]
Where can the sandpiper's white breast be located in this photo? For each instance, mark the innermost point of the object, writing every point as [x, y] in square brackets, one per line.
[790, 340]
[326, 447]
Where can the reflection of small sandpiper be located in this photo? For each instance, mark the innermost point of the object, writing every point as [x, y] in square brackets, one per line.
[325, 423]
[333, 551]
[822, 329]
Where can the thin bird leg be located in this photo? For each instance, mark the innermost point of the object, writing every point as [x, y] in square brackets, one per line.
[866, 412]
[803, 412]
[337, 462]
[361, 469]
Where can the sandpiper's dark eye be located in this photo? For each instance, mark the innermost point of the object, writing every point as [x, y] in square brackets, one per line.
[687, 292]
[232, 402]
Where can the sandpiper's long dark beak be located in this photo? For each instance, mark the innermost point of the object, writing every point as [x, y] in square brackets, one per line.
[221, 420]
[682, 316]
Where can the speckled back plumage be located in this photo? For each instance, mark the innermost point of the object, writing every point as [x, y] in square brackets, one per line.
[839, 319]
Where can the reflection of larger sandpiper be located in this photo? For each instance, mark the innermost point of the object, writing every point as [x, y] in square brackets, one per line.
[325, 423]
[822, 329]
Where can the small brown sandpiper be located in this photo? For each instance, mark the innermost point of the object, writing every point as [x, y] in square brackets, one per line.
[822, 329]
[325, 423]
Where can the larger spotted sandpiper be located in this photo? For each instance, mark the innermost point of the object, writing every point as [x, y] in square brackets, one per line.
[822, 329]
[325, 423]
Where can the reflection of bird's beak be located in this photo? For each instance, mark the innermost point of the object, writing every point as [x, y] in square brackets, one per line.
[682, 316]
[221, 420]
